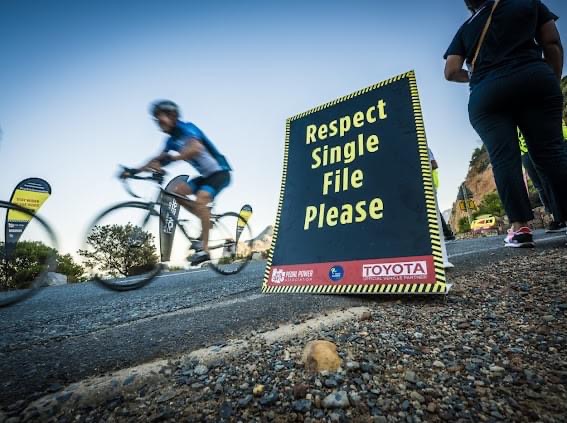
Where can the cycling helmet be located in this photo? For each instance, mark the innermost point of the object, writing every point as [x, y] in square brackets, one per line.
[164, 106]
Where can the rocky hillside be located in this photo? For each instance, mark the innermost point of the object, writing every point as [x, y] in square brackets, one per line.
[479, 182]
[260, 244]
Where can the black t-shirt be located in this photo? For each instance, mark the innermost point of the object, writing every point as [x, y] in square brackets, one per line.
[510, 40]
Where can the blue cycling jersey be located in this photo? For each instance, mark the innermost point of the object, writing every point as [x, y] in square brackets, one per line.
[208, 161]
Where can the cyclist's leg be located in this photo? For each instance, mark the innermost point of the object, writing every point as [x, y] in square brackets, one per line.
[210, 188]
[203, 212]
[185, 189]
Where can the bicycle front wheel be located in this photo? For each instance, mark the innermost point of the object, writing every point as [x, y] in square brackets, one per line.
[120, 247]
[28, 253]
[230, 243]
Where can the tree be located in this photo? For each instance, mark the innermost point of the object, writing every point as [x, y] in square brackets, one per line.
[491, 204]
[479, 159]
[27, 262]
[67, 266]
[464, 225]
[120, 250]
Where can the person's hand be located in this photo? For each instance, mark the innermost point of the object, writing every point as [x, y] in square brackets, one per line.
[154, 166]
[126, 173]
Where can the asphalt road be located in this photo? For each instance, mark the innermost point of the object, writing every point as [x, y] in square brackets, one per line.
[67, 333]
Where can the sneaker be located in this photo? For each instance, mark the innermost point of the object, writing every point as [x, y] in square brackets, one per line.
[555, 227]
[199, 257]
[522, 238]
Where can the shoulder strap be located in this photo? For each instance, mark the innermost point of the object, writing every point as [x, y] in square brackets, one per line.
[483, 35]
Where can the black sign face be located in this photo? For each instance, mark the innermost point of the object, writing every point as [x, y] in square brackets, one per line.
[357, 209]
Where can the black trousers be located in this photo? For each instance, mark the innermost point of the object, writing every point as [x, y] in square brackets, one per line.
[530, 98]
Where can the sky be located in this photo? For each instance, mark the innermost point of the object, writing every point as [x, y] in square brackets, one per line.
[77, 77]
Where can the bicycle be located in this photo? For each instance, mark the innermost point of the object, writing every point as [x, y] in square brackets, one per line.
[28, 252]
[230, 237]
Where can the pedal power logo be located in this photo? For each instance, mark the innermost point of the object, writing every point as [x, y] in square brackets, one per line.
[336, 273]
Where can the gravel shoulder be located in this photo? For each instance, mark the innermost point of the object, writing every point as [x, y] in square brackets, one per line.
[492, 350]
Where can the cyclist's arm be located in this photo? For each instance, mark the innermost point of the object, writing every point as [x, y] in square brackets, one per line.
[193, 148]
[155, 163]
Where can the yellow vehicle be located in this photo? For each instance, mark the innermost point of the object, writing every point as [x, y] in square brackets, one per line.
[485, 222]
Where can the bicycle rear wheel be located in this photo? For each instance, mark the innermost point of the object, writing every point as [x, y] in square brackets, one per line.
[230, 243]
[120, 246]
[28, 252]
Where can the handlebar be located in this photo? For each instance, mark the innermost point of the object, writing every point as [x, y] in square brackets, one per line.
[155, 176]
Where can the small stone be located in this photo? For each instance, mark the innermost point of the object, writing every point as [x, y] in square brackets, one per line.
[201, 370]
[548, 318]
[258, 390]
[410, 376]
[352, 365]
[129, 380]
[405, 405]
[299, 390]
[301, 406]
[438, 364]
[64, 396]
[225, 410]
[245, 401]
[330, 383]
[321, 356]
[416, 396]
[432, 407]
[270, 398]
[336, 400]
[365, 316]
[496, 369]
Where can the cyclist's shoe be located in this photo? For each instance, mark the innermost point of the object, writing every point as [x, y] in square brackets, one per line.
[199, 257]
[197, 245]
[555, 227]
[522, 238]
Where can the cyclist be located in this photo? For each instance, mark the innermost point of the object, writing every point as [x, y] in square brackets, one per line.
[190, 144]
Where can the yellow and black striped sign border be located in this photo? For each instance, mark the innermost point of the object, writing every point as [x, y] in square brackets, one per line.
[440, 285]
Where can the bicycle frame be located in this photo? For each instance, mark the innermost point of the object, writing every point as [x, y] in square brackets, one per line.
[158, 179]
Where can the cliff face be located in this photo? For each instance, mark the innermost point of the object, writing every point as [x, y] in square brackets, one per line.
[479, 182]
[260, 244]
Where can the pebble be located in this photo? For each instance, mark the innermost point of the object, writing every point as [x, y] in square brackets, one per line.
[301, 406]
[337, 399]
[416, 396]
[410, 376]
[299, 390]
[243, 402]
[438, 364]
[201, 370]
[258, 390]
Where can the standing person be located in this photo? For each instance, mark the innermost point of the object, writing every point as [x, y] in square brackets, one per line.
[511, 86]
[543, 188]
[447, 232]
[190, 144]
